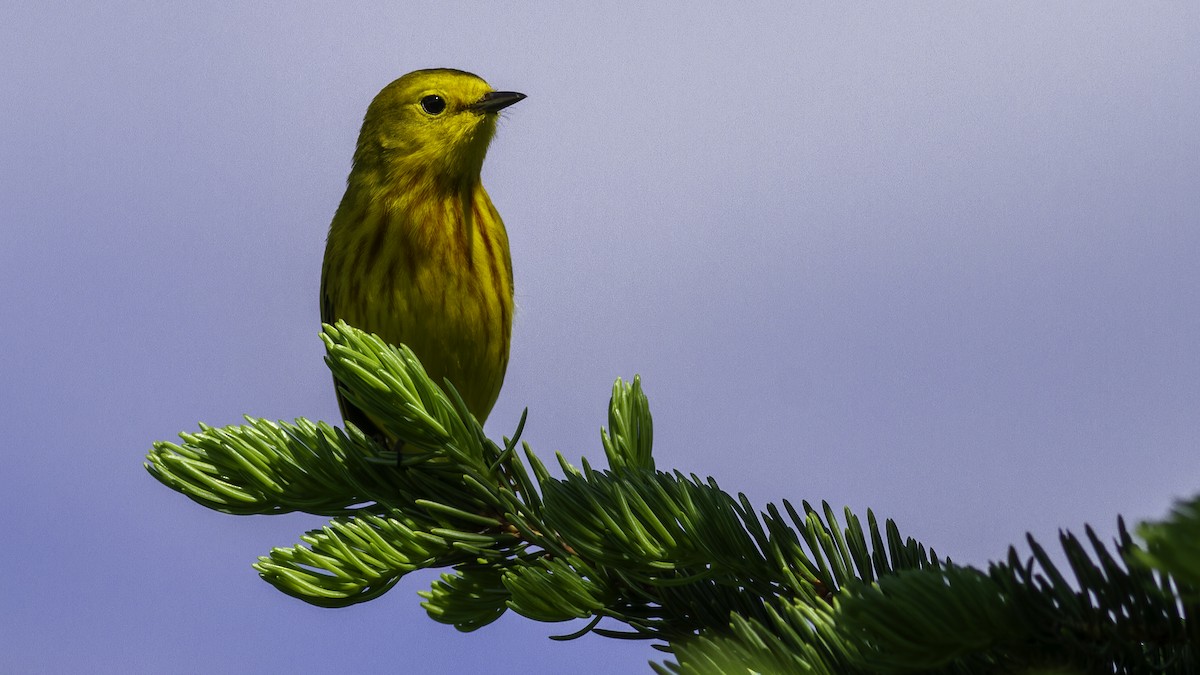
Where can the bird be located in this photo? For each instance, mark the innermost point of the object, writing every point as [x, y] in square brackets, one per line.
[416, 252]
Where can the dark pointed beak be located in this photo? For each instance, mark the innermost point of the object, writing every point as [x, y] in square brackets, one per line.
[495, 101]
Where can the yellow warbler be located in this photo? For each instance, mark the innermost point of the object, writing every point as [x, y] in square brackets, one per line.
[417, 253]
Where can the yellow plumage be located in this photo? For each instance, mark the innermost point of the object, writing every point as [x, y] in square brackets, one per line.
[416, 252]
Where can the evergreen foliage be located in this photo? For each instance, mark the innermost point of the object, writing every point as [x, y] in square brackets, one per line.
[720, 585]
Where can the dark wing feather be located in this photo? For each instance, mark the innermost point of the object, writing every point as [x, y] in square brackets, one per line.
[349, 413]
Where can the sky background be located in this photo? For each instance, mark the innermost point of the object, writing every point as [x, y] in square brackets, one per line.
[938, 259]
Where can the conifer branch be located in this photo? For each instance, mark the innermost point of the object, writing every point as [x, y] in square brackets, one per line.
[722, 585]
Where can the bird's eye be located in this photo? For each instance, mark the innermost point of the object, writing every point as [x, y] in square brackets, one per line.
[433, 104]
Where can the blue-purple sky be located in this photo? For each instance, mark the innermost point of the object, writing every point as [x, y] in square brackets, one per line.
[937, 259]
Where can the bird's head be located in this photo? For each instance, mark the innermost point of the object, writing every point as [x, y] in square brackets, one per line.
[433, 123]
